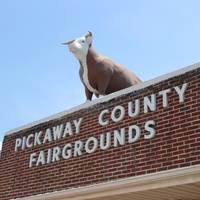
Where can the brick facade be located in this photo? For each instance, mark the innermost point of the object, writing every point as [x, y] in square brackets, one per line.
[176, 143]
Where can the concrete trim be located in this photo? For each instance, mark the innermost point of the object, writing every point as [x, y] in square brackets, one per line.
[108, 97]
[141, 183]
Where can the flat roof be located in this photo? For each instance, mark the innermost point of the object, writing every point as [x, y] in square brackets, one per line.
[108, 97]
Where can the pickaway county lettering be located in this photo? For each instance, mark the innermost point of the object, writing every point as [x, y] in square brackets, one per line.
[125, 135]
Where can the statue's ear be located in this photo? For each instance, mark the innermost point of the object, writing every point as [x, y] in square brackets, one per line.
[88, 38]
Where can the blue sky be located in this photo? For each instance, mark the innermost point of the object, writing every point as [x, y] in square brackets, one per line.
[39, 76]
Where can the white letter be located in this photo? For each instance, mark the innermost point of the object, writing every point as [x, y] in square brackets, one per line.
[136, 136]
[57, 132]
[101, 122]
[18, 143]
[151, 104]
[28, 144]
[41, 158]
[69, 151]
[68, 130]
[78, 125]
[165, 99]
[37, 138]
[78, 148]
[87, 145]
[23, 143]
[32, 159]
[108, 141]
[119, 137]
[121, 115]
[56, 153]
[49, 156]
[181, 92]
[152, 131]
[48, 136]
[137, 108]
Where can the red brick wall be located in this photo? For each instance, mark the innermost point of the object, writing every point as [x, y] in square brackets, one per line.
[175, 145]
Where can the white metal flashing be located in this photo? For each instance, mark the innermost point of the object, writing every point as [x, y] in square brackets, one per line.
[155, 181]
[109, 97]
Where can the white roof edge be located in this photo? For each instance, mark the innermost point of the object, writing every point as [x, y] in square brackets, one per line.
[109, 97]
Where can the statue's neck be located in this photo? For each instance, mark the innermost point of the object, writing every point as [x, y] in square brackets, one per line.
[92, 55]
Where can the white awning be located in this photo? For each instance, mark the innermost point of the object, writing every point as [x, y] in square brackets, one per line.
[177, 184]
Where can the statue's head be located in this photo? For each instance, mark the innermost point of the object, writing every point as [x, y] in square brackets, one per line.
[79, 47]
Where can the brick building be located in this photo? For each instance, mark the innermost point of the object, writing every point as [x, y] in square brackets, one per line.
[139, 143]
